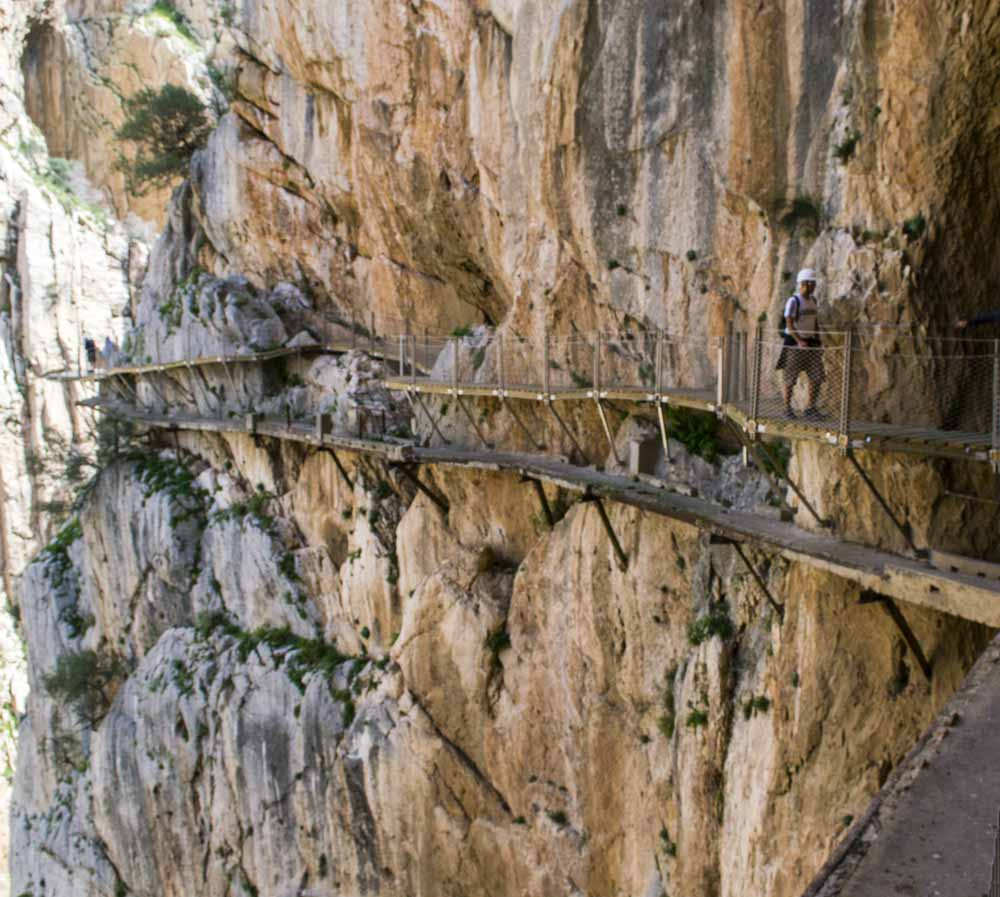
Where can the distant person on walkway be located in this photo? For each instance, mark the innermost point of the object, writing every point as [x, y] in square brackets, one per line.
[801, 352]
[90, 348]
[987, 317]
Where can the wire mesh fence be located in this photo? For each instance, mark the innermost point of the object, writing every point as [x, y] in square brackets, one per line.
[643, 363]
[799, 380]
[870, 384]
[948, 392]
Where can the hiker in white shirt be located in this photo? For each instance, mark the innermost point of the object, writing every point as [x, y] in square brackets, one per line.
[802, 350]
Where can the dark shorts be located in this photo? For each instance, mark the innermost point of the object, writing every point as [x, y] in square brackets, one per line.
[795, 359]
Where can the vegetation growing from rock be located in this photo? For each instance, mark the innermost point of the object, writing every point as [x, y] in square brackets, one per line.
[56, 554]
[166, 126]
[82, 679]
[715, 623]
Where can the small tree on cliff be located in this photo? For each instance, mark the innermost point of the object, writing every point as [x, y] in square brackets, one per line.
[82, 679]
[167, 126]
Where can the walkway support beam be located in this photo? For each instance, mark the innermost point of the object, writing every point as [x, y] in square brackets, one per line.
[778, 608]
[430, 417]
[603, 514]
[822, 521]
[486, 443]
[340, 466]
[542, 500]
[903, 530]
[410, 473]
[896, 615]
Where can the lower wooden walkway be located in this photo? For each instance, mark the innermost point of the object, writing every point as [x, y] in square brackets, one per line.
[947, 589]
[933, 828]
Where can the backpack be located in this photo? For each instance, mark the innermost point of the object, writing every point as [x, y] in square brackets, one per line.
[781, 315]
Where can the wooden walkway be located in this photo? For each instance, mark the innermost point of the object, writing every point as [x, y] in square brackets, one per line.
[932, 829]
[410, 375]
[953, 588]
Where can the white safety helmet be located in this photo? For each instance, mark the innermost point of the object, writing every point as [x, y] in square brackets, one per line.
[806, 274]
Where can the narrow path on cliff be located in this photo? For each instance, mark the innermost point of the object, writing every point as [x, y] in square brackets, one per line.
[964, 594]
[933, 828]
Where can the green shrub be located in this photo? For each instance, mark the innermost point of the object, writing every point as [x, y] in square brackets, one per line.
[167, 126]
[803, 210]
[696, 718]
[914, 227]
[81, 679]
[844, 150]
[715, 623]
[697, 431]
[56, 553]
[167, 11]
[754, 705]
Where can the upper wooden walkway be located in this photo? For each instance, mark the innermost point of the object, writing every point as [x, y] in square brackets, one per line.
[956, 586]
[946, 403]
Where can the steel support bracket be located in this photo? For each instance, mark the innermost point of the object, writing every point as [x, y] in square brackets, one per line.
[615, 544]
[340, 466]
[410, 473]
[717, 539]
[904, 530]
[567, 430]
[607, 428]
[542, 500]
[896, 615]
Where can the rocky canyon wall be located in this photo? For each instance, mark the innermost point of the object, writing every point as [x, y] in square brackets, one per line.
[315, 681]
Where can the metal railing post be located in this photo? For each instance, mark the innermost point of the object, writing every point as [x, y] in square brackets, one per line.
[454, 364]
[727, 369]
[658, 364]
[758, 352]
[371, 334]
[402, 355]
[744, 362]
[545, 362]
[597, 364]
[500, 367]
[720, 379]
[843, 435]
[413, 358]
[995, 459]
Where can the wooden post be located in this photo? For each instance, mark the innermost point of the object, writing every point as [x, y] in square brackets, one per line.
[843, 436]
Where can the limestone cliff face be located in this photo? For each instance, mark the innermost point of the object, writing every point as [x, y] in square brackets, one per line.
[314, 687]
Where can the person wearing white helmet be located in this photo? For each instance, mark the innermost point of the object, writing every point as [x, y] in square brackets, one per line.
[801, 353]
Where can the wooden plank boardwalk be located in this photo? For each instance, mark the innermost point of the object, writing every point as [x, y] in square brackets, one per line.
[933, 828]
[862, 435]
[951, 589]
